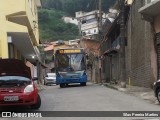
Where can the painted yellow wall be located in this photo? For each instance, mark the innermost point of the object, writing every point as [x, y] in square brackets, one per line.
[31, 11]
[17, 7]
[3, 37]
[7, 27]
[26, 8]
[12, 6]
[3, 44]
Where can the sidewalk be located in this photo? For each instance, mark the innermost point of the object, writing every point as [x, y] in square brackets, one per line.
[40, 86]
[140, 92]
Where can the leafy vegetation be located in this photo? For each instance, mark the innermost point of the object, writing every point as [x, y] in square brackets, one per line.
[52, 27]
[72, 6]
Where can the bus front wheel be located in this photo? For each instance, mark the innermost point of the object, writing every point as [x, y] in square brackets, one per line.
[83, 84]
[62, 85]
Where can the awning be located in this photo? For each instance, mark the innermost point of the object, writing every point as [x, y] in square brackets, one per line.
[110, 52]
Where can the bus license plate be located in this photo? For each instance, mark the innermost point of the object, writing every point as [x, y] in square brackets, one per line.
[11, 98]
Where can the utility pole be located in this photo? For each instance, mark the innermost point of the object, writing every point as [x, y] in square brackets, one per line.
[100, 31]
[100, 16]
[80, 34]
[122, 46]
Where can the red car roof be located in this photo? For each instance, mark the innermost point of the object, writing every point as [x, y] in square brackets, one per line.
[14, 67]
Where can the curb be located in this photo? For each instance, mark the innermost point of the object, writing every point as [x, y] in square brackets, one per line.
[40, 87]
[111, 86]
[143, 95]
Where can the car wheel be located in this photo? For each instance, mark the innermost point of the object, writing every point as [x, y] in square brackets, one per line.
[158, 95]
[62, 85]
[38, 104]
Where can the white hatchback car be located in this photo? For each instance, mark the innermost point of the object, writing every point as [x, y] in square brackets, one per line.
[50, 78]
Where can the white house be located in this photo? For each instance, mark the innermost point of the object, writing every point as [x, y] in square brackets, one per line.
[88, 22]
[70, 20]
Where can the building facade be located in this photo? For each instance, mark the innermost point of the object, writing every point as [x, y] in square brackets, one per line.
[70, 20]
[110, 46]
[140, 60]
[19, 34]
[141, 45]
[150, 13]
[89, 23]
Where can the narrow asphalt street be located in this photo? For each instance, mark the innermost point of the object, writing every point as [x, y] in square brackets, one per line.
[91, 98]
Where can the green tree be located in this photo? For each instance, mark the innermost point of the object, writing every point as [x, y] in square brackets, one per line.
[52, 27]
[43, 16]
[72, 6]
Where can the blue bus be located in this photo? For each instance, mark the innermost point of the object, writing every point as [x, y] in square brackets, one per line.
[70, 64]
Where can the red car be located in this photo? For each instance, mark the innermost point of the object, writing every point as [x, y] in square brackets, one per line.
[16, 84]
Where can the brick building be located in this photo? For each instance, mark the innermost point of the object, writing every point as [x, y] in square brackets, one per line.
[140, 50]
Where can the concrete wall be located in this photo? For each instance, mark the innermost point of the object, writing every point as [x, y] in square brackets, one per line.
[139, 48]
[106, 61]
[115, 67]
[157, 24]
[91, 46]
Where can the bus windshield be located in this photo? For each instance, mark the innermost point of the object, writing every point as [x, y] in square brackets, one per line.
[70, 62]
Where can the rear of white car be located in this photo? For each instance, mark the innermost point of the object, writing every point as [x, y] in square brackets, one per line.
[50, 78]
